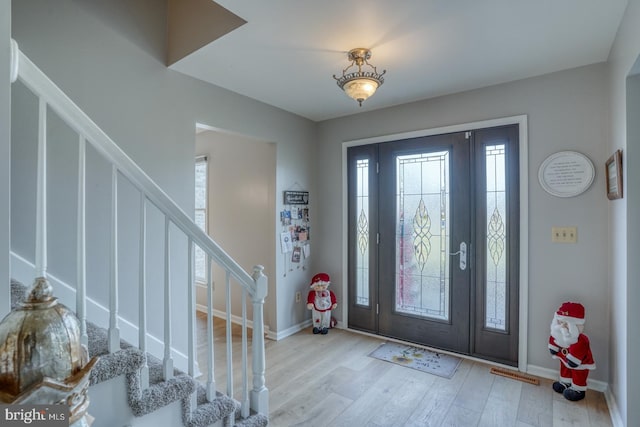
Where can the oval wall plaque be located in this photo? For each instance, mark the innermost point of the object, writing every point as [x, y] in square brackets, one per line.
[566, 174]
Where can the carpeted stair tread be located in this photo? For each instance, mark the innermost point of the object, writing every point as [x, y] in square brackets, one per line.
[112, 365]
[129, 360]
[156, 396]
[207, 413]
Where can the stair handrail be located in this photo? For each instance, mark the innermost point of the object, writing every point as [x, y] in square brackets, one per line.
[256, 284]
[40, 84]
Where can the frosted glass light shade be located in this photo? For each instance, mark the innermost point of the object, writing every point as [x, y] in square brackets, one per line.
[360, 89]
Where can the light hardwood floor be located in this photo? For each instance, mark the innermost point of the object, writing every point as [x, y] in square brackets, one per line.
[329, 380]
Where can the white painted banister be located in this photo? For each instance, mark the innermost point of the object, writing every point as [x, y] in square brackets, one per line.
[114, 331]
[69, 112]
[191, 309]
[167, 363]
[244, 409]
[81, 284]
[191, 313]
[142, 292]
[52, 99]
[228, 326]
[58, 101]
[41, 192]
[259, 394]
[211, 383]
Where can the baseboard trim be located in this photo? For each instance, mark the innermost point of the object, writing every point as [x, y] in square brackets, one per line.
[614, 410]
[234, 319]
[552, 374]
[293, 329]
[596, 385]
[23, 271]
[272, 335]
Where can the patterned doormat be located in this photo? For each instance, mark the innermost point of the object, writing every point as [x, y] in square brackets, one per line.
[423, 360]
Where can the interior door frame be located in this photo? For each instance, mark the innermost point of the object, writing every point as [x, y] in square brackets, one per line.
[521, 121]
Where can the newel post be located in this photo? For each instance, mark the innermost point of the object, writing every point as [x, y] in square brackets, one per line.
[259, 394]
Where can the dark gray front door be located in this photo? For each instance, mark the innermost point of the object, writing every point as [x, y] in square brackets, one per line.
[433, 241]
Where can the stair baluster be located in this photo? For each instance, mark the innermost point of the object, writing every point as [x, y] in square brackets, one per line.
[41, 192]
[114, 331]
[259, 394]
[229, 336]
[191, 316]
[168, 360]
[142, 303]
[211, 383]
[245, 408]
[81, 284]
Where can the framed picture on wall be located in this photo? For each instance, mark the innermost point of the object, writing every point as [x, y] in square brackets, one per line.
[613, 169]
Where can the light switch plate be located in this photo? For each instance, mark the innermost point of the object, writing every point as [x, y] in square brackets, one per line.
[564, 234]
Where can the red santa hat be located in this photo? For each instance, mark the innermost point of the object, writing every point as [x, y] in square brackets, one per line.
[571, 312]
[320, 278]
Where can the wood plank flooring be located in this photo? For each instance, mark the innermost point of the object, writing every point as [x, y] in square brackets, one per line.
[329, 380]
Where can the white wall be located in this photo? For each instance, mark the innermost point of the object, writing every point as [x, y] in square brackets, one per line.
[624, 273]
[5, 153]
[241, 209]
[108, 57]
[566, 111]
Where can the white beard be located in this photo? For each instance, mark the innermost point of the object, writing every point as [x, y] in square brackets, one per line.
[564, 336]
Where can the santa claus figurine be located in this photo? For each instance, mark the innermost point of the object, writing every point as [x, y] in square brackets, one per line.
[568, 344]
[321, 301]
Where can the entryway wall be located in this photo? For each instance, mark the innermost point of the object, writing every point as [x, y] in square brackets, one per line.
[565, 111]
[241, 208]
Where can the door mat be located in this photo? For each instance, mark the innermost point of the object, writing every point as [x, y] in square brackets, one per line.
[420, 359]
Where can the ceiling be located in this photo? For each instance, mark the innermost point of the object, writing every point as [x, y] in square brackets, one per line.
[288, 51]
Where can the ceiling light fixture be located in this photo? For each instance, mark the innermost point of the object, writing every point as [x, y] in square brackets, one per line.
[360, 85]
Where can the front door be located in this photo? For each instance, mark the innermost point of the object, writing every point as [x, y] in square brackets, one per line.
[418, 209]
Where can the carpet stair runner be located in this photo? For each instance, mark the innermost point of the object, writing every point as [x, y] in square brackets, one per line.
[129, 360]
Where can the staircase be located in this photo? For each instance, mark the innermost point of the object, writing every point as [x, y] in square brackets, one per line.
[145, 361]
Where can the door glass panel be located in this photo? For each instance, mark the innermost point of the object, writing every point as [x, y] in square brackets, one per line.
[362, 233]
[422, 281]
[496, 260]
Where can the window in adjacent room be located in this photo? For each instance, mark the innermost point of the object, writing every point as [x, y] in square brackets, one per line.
[200, 215]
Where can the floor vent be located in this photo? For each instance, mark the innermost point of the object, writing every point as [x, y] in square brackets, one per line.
[515, 375]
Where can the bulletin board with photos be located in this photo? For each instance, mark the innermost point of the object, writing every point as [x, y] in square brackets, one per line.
[295, 233]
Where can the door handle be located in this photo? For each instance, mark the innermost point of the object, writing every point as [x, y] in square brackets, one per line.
[463, 255]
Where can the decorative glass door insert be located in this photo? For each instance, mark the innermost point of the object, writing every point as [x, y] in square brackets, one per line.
[496, 262]
[363, 245]
[422, 278]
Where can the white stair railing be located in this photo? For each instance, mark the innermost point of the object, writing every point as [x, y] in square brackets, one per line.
[253, 286]
[81, 291]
